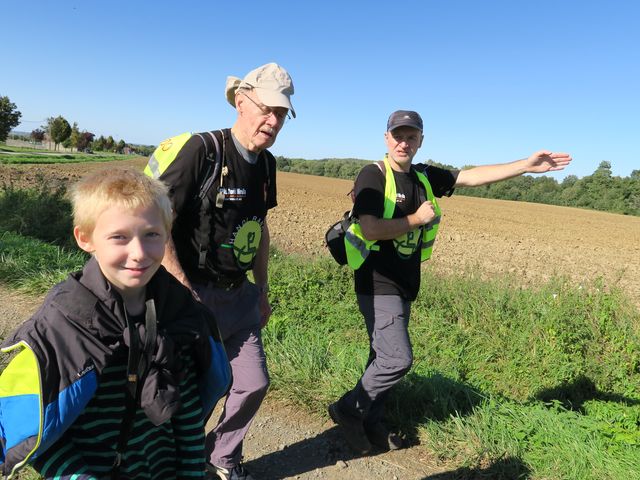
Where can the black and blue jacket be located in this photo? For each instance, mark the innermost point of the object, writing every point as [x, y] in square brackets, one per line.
[59, 354]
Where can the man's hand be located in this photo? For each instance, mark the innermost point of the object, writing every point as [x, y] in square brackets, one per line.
[425, 213]
[546, 161]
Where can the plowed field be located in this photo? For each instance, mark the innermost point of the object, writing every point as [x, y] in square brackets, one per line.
[529, 241]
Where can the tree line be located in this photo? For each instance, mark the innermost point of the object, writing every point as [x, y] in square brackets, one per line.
[598, 191]
[59, 131]
[346, 168]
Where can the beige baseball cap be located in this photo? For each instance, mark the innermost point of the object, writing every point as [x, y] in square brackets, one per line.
[271, 82]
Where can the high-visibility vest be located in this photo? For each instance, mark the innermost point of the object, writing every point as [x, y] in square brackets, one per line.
[165, 153]
[358, 247]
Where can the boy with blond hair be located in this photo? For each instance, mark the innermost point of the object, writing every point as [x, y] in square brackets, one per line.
[116, 373]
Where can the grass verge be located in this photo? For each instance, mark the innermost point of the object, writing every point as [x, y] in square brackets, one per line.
[507, 382]
[34, 266]
[58, 158]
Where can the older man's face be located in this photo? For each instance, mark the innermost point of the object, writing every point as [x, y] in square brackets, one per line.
[259, 123]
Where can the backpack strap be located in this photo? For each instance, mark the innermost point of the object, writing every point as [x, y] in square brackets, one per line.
[137, 366]
[213, 153]
[214, 169]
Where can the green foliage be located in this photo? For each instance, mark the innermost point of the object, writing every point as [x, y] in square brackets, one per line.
[546, 377]
[541, 382]
[31, 157]
[315, 333]
[120, 146]
[42, 212]
[551, 441]
[109, 144]
[35, 266]
[143, 150]
[599, 191]
[9, 117]
[521, 343]
[346, 168]
[59, 129]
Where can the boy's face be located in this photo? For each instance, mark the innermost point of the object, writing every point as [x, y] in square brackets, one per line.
[128, 245]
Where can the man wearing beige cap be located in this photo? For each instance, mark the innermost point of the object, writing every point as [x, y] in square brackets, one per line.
[222, 184]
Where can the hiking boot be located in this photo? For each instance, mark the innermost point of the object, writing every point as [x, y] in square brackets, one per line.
[379, 435]
[352, 429]
[236, 473]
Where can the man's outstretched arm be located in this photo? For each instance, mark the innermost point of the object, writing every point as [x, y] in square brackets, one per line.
[540, 162]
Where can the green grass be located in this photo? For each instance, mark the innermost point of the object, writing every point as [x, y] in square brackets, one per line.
[8, 148]
[537, 383]
[60, 158]
[26, 155]
[43, 212]
[34, 266]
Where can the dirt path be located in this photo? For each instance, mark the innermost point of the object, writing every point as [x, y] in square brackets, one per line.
[287, 443]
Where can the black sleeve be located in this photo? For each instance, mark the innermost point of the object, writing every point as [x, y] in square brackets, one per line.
[442, 180]
[272, 192]
[369, 191]
[183, 175]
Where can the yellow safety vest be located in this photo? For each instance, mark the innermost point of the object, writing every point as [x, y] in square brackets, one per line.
[358, 247]
[164, 154]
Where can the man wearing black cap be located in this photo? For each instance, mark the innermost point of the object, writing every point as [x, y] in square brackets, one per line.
[398, 215]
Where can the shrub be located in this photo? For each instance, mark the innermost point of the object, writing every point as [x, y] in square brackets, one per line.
[42, 212]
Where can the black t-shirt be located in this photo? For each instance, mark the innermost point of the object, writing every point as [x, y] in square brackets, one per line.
[386, 272]
[236, 228]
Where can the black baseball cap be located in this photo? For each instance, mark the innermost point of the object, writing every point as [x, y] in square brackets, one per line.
[404, 118]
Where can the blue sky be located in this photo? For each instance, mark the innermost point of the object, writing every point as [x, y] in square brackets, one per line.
[493, 80]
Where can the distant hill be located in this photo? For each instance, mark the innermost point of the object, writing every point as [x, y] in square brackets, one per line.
[20, 134]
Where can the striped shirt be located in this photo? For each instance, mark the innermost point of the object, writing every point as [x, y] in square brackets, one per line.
[87, 450]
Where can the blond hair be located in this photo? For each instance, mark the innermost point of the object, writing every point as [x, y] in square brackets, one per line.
[125, 188]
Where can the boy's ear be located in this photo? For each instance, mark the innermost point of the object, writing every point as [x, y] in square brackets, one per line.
[83, 240]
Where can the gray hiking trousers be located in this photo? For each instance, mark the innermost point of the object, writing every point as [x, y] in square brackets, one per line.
[390, 355]
[238, 316]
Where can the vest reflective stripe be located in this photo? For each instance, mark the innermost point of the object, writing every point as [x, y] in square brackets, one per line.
[430, 230]
[153, 168]
[358, 247]
[166, 153]
[389, 190]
